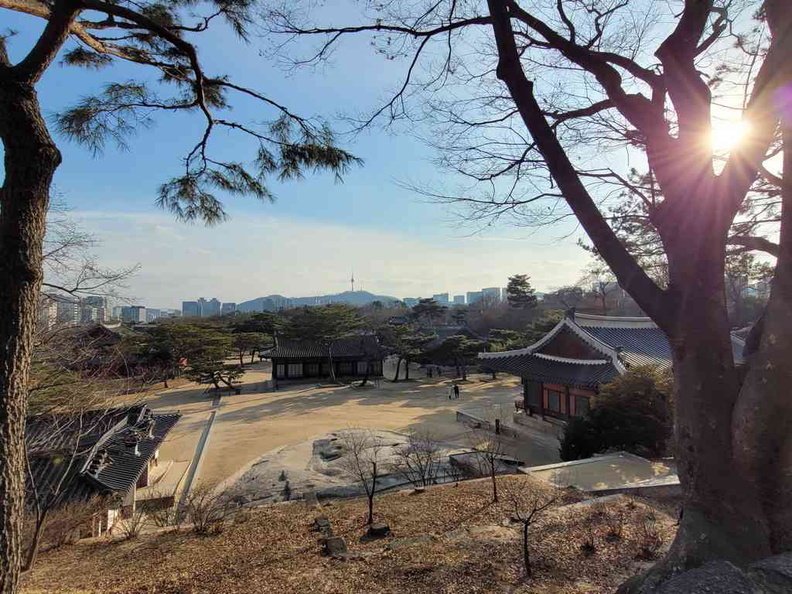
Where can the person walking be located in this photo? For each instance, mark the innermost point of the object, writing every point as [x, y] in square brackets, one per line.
[456, 391]
[450, 392]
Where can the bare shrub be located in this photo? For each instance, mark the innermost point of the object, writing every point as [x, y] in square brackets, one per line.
[363, 459]
[529, 501]
[489, 449]
[650, 541]
[589, 529]
[209, 510]
[163, 516]
[455, 473]
[64, 525]
[615, 518]
[419, 459]
[133, 525]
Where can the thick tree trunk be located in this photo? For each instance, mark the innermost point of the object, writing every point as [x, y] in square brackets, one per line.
[30, 160]
[406, 369]
[722, 518]
[763, 416]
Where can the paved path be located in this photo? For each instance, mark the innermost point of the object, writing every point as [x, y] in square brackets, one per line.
[199, 450]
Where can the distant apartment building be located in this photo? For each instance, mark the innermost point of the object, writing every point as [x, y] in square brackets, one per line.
[153, 314]
[227, 308]
[441, 298]
[411, 301]
[191, 309]
[68, 311]
[89, 314]
[133, 314]
[47, 313]
[459, 300]
[209, 307]
[473, 296]
[96, 301]
[493, 293]
[116, 312]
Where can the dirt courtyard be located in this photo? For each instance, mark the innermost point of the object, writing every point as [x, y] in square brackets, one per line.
[253, 423]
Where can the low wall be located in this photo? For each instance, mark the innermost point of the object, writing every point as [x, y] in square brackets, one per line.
[475, 422]
[536, 423]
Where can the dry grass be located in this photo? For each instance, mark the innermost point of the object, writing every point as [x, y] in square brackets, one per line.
[274, 550]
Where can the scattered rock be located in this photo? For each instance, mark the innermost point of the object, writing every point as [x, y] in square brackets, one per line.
[335, 546]
[418, 491]
[406, 542]
[327, 449]
[378, 530]
[322, 524]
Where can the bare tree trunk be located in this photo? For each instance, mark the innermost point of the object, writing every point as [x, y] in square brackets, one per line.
[241, 362]
[372, 493]
[31, 159]
[407, 369]
[494, 480]
[526, 552]
[33, 550]
[332, 366]
[398, 367]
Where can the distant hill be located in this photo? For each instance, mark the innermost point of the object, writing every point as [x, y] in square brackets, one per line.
[275, 302]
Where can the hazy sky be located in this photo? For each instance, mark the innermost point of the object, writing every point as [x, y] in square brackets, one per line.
[317, 231]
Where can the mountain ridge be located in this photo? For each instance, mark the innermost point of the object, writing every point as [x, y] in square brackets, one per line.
[276, 301]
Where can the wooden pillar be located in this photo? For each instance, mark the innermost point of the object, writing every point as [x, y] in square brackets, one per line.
[541, 400]
[568, 399]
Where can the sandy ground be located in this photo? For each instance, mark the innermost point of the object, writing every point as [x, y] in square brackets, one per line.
[254, 423]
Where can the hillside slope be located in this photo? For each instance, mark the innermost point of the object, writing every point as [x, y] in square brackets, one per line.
[447, 539]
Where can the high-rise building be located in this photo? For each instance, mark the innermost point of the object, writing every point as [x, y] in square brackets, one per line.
[441, 298]
[493, 293]
[89, 314]
[133, 313]
[411, 301]
[473, 296]
[96, 301]
[69, 311]
[152, 314]
[117, 312]
[227, 308]
[459, 300]
[191, 309]
[47, 313]
[209, 307]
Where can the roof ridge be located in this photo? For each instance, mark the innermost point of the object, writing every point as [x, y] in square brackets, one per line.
[571, 360]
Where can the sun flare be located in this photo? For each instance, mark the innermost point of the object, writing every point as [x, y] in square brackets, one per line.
[726, 135]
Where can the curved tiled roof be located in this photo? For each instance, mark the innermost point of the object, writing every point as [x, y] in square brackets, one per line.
[353, 346]
[639, 346]
[585, 373]
[110, 457]
[622, 341]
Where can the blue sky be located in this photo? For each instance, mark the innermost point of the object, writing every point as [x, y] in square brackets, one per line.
[317, 231]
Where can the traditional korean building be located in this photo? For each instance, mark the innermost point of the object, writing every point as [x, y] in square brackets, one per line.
[564, 370]
[100, 455]
[356, 356]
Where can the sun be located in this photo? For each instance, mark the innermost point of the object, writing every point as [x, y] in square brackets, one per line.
[726, 135]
